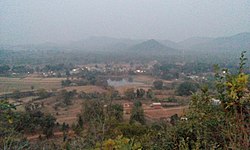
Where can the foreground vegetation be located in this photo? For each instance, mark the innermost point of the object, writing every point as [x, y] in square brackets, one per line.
[216, 119]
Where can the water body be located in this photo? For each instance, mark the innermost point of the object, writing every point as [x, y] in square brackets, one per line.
[122, 82]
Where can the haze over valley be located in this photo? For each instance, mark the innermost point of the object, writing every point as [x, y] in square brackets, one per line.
[124, 75]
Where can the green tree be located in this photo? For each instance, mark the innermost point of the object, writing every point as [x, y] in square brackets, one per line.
[130, 94]
[66, 82]
[158, 84]
[140, 93]
[186, 88]
[218, 126]
[94, 116]
[67, 73]
[4, 69]
[9, 137]
[137, 113]
[48, 125]
[80, 121]
[150, 94]
[65, 128]
[67, 96]
[233, 92]
[42, 93]
[117, 112]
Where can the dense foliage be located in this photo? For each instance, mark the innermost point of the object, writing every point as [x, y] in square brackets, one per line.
[187, 88]
[216, 119]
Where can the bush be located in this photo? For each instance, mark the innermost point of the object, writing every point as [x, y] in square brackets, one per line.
[187, 88]
[129, 93]
[158, 84]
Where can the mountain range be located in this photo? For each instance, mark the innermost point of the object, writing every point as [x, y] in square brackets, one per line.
[238, 42]
[149, 46]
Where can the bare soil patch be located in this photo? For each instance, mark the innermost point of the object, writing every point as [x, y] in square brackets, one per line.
[67, 114]
[164, 112]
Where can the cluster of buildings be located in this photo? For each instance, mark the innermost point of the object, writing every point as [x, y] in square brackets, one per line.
[115, 68]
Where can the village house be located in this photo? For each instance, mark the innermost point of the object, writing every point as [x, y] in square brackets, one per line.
[156, 105]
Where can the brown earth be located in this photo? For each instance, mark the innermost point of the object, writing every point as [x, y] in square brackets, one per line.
[165, 112]
[67, 114]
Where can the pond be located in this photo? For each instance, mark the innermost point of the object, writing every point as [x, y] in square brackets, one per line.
[123, 82]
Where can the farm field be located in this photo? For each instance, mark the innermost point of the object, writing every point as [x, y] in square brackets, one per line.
[86, 89]
[164, 112]
[122, 89]
[22, 84]
[144, 79]
[67, 114]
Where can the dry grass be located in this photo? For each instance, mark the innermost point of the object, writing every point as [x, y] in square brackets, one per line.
[22, 84]
[87, 89]
[66, 114]
[144, 79]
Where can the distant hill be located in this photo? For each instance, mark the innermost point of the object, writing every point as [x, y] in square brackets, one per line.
[150, 46]
[190, 42]
[102, 44]
[169, 43]
[235, 43]
[238, 42]
[41, 46]
[92, 44]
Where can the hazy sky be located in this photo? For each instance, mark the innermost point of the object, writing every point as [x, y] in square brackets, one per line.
[37, 21]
